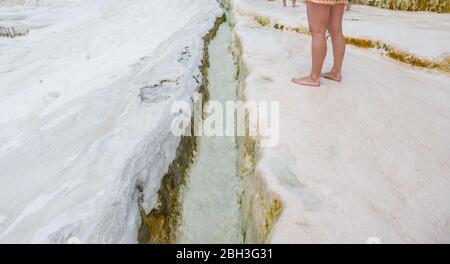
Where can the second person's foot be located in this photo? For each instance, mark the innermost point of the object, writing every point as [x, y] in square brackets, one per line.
[307, 80]
[335, 76]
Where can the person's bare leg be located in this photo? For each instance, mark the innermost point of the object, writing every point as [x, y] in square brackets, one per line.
[338, 41]
[318, 20]
[294, 3]
[284, 3]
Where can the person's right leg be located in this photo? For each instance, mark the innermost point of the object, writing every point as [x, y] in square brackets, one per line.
[294, 3]
[318, 20]
[338, 41]
[284, 3]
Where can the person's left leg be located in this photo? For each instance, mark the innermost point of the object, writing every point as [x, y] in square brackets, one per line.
[294, 3]
[284, 2]
[317, 20]
[338, 42]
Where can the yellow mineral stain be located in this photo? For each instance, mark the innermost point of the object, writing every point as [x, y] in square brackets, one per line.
[263, 21]
[271, 216]
[439, 6]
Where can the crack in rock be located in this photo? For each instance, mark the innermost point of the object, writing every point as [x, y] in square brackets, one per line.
[158, 92]
[12, 32]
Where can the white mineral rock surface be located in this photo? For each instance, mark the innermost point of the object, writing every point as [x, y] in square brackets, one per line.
[365, 158]
[422, 33]
[83, 120]
[85, 100]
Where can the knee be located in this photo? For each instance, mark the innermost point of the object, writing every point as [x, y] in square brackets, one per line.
[317, 31]
[335, 31]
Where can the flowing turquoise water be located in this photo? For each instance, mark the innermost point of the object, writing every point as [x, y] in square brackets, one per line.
[210, 208]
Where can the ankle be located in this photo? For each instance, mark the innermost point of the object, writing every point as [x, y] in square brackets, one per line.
[314, 77]
[335, 71]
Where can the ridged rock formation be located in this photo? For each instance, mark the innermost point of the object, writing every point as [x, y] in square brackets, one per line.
[160, 226]
[442, 64]
[440, 6]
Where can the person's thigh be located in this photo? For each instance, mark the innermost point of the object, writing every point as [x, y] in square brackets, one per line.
[317, 17]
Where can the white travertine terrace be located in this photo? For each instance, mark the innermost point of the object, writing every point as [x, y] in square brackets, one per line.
[85, 103]
[365, 159]
[424, 34]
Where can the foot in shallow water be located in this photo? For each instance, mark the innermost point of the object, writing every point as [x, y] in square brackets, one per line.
[307, 80]
[335, 76]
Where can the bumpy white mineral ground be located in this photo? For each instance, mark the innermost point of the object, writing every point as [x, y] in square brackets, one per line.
[85, 103]
[86, 89]
[365, 158]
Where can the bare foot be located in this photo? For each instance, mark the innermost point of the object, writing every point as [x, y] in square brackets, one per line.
[335, 76]
[307, 80]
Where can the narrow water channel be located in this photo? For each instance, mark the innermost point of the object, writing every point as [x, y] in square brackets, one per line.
[210, 207]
